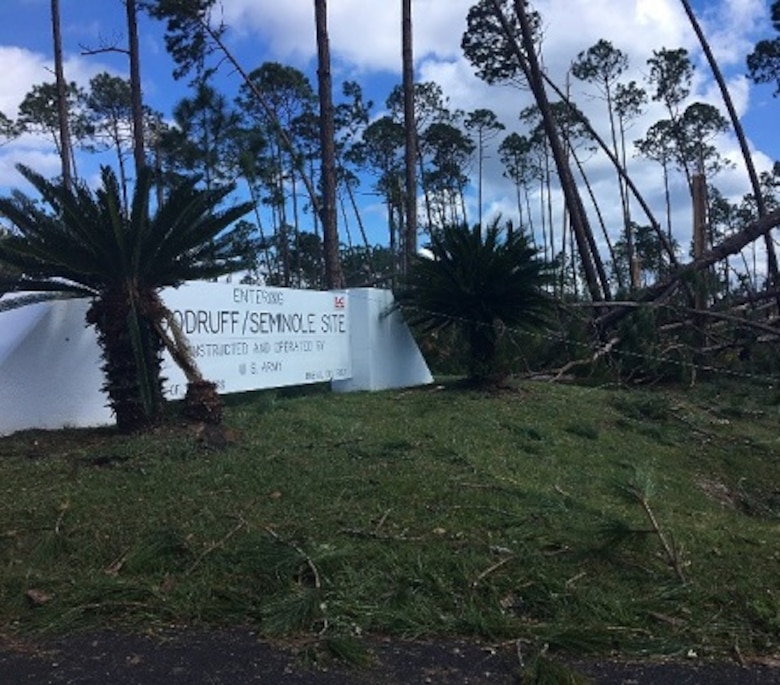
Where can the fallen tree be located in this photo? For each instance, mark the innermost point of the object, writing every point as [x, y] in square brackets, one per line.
[663, 289]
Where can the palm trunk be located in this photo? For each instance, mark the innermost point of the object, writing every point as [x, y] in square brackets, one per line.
[202, 401]
[132, 356]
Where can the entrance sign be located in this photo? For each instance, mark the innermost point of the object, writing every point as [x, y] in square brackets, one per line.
[248, 337]
[244, 337]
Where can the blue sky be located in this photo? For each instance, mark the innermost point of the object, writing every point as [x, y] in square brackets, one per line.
[365, 42]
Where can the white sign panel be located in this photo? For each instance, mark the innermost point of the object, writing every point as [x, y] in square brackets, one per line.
[247, 337]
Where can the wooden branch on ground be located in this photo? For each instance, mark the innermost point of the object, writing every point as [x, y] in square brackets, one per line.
[671, 550]
[307, 560]
[493, 567]
[598, 354]
[215, 545]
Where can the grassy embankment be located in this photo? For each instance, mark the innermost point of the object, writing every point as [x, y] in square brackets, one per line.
[586, 519]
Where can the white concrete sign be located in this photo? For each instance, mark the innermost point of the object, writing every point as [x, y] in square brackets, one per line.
[243, 337]
[247, 337]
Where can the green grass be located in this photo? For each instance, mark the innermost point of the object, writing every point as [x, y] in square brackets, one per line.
[419, 513]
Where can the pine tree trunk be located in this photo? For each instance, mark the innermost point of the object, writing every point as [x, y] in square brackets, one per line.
[334, 277]
[533, 73]
[410, 131]
[772, 266]
[62, 96]
[135, 85]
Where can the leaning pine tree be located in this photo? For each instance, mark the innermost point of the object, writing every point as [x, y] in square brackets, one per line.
[481, 282]
[83, 244]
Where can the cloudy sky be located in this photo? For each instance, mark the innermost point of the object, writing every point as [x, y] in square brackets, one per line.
[365, 42]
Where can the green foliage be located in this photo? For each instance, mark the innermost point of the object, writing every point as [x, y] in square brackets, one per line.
[206, 138]
[7, 273]
[645, 355]
[185, 39]
[83, 241]
[8, 128]
[583, 430]
[38, 112]
[764, 62]
[368, 266]
[487, 46]
[648, 249]
[642, 407]
[480, 282]
[602, 64]
[671, 73]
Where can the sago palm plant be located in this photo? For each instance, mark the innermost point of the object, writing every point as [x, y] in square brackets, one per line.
[82, 243]
[481, 282]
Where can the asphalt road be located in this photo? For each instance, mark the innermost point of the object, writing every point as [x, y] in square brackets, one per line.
[238, 658]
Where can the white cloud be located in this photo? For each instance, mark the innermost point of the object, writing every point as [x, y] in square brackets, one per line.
[365, 33]
[29, 68]
[730, 28]
[44, 161]
[365, 42]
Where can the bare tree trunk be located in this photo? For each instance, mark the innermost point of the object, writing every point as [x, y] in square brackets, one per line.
[334, 277]
[529, 214]
[345, 220]
[772, 266]
[425, 189]
[410, 130]
[530, 65]
[600, 216]
[633, 275]
[295, 268]
[62, 95]
[699, 187]
[135, 86]
[123, 178]
[549, 250]
[548, 206]
[480, 165]
[358, 217]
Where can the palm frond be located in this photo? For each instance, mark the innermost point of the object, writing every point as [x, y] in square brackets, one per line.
[87, 243]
